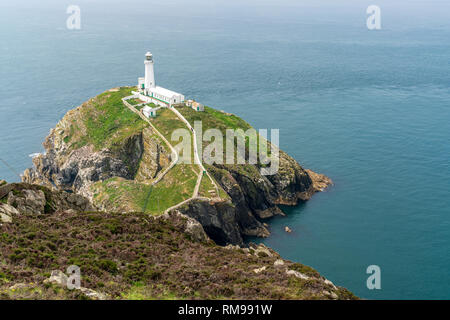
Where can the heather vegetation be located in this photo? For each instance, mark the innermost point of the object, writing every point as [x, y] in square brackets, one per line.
[137, 256]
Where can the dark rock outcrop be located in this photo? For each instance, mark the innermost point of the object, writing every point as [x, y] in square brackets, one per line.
[76, 170]
[219, 219]
[23, 198]
[256, 197]
[190, 226]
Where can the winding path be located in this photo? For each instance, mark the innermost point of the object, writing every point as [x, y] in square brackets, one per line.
[175, 157]
[196, 155]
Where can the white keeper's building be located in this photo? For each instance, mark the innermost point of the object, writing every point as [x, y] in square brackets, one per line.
[150, 92]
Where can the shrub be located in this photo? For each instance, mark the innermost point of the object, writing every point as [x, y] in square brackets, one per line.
[107, 265]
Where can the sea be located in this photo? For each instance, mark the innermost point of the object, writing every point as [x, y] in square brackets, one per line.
[370, 108]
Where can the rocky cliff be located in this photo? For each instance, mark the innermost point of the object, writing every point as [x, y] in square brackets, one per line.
[254, 197]
[101, 140]
[21, 198]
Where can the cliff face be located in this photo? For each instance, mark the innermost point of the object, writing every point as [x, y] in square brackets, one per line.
[21, 198]
[261, 194]
[254, 197]
[97, 141]
[77, 170]
[77, 159]
[220, 220]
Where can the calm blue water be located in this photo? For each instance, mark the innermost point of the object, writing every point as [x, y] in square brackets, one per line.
[369, 109]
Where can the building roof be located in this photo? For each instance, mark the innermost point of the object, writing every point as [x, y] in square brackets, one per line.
[165, 92]
[147, 108]
[196, 104]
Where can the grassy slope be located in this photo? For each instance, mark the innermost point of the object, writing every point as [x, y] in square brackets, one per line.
[212, 118]
[215, 119]
[121, 194]
[177, 185]
[104, 122]
[134, 256]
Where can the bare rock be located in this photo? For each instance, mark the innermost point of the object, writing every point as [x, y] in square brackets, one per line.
[7, 212]
[57, 277]
[278, 263]
[154, 157]
[32, 199]
[232, 247]
[91, 294]
[219, 220]
[287, 229]
[191, 226]
[334, 295]
[328, 282]
[297, 274]
[195, 230]
[263, 251]
[331, 295]
[29, 202]
[18, 286]
[76, 170]
[5, 218]
[259, 270]
[319, 181]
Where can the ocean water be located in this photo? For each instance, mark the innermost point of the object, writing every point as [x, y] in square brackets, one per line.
[370, 109]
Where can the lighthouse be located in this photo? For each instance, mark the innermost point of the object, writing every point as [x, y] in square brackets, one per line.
[149, 81]
[149, 92]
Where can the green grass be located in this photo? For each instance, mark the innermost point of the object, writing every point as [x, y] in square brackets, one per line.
[205, 186]
[107, 122]
[121, 193]
[167, 122]
[141, 292]
[176, 186]
[134, 102]
[151, 105]
[212, 118]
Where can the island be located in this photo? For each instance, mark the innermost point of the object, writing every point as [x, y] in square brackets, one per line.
[112, 197]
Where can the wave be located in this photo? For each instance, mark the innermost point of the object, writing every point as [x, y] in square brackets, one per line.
[34, 155]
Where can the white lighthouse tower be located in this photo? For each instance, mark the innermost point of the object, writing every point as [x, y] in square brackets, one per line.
[149, 92]
[149, 81]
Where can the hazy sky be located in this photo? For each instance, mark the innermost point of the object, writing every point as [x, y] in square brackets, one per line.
[439, 8]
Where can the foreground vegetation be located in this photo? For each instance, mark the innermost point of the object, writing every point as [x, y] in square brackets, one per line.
[136, 256]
